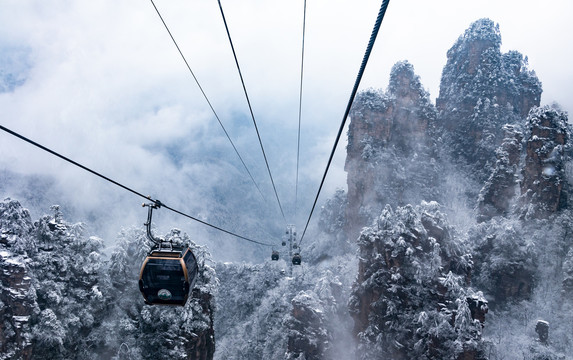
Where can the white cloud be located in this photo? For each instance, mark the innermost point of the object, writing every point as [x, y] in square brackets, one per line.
[108, 88]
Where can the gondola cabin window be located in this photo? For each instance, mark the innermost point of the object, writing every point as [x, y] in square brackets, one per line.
[167, 277]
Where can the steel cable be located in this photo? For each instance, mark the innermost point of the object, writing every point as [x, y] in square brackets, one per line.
[157, 202]
[299, 110]
[251, 110]
[207, 99]
[373, 36]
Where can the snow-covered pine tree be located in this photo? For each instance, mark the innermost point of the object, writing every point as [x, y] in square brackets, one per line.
[505, 260]
[61, 300]
[411, 299]
[253, 305]
[133, 330]
[68, 276]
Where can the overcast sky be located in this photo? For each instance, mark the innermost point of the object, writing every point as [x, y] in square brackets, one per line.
[102, 82]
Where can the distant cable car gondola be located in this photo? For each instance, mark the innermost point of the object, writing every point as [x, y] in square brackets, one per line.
[169, 271]
[296, 259]
[275, 255]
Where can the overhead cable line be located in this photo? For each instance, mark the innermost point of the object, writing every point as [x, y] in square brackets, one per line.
[299, 109]
[377, 24]
[251, 109]
[207, 99]
[157, 202]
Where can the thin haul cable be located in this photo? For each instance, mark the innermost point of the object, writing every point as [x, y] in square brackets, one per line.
[207, 99]
[300, 109]
[157, 202]
[251, 109]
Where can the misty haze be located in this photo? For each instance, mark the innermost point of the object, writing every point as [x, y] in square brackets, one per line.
[444, 229]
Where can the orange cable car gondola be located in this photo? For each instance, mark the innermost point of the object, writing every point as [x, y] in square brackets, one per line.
[169, 271]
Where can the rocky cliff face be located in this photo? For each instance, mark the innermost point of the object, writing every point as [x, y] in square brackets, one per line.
[500, 189]
[505, 260]
[543, 182]
[489, 131]
[540, 160]
[543, 173]
[387, 128]
[410, 299]
[398, 144]
[307, 337]
[481, 90]
[201, 346]
[16, 307]
[17, 295]
[397, 140]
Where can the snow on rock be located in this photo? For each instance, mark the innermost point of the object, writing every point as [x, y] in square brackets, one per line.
[307, 335]
[410, 299]
[499, 191]
[60, 298]
[482, 89]
[542, 187]
[389, 159]
[17, 293]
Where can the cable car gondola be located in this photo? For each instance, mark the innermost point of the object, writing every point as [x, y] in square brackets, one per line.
[296, 259]
[275, 255]
[169, 271]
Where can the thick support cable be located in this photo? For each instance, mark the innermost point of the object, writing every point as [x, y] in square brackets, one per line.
[299, 110]
[251, 109]
[156, 202]
[349, 105]
[207, 99]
